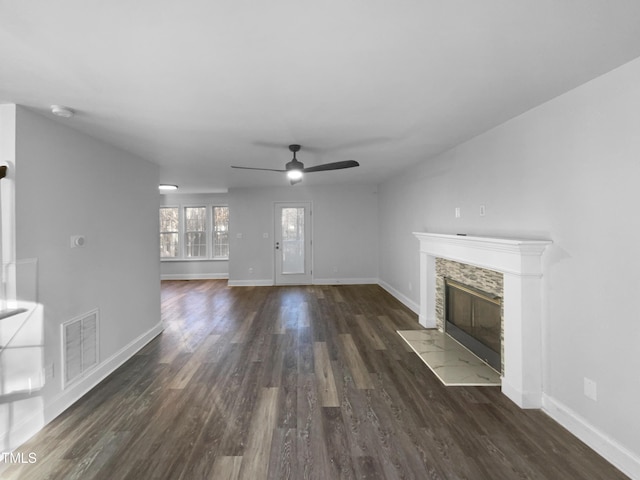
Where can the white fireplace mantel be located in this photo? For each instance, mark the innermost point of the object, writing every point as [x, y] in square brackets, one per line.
[520, 262]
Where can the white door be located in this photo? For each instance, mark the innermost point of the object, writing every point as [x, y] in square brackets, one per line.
[292, 243]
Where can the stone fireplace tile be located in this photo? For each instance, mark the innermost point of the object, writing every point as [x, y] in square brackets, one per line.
[452, 363]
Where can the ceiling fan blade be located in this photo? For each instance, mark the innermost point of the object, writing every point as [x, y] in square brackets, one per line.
[264, 169]
[332, 166]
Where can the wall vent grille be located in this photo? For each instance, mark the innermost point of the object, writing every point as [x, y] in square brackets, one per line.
[79, 346]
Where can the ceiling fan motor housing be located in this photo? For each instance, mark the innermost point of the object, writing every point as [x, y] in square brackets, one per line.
[294, 165]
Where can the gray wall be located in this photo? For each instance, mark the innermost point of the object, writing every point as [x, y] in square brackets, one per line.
[568, 171]
[70, 184]
[193, 269]
[344, 225]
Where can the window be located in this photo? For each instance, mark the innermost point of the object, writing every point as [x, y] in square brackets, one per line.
[220, 232]
[195, 235]
[169, 233]
[198, 232]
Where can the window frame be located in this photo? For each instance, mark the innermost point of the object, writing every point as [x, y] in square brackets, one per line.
[160, 232]
[209, 233]
[205, 232]
[213, 232]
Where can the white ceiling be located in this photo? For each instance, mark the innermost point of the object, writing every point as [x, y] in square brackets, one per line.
[199, 85]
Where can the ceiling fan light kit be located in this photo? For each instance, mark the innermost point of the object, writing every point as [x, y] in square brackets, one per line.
[294, 174]
[295, 169]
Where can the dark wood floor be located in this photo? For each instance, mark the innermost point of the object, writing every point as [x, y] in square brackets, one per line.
[295, 382]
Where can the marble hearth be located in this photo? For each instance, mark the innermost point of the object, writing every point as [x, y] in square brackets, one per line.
[519, 260]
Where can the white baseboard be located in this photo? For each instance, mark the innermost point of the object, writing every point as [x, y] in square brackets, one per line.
[413, 306]
[345, 281]
[316, 281]
[522, 399]
[267, 282]
[31, 425]
[194, 276]
[618, 455]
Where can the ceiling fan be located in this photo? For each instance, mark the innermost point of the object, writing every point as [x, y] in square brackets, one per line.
[295, 169]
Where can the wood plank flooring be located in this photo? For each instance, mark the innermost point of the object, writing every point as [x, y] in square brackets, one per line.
[308, 382]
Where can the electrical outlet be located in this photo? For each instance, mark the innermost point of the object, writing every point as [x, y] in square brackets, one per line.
[250, 269]
[458, 214]
[483, 210]
[590, 389]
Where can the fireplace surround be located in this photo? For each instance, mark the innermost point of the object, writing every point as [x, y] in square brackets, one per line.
[519, 261]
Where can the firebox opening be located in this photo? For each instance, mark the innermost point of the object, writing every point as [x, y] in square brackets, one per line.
[473, 318]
